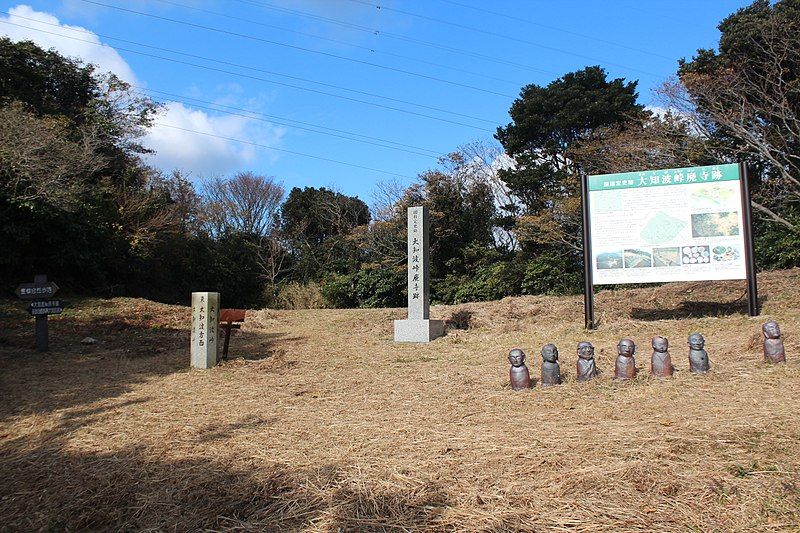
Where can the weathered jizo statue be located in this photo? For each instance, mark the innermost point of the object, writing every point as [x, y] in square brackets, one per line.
[520, 377]
[625, 366]
[551, 372]
[698, 357]
[586, 368]
[773, 343]
[660, 362]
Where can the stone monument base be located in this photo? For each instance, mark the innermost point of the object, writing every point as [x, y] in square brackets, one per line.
[417, 330]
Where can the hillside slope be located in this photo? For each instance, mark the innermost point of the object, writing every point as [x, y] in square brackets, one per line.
[319, 422]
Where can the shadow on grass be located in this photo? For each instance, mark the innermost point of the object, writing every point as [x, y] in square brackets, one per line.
[48, 486]
[695, 309]
[254, 346]
[125, 353]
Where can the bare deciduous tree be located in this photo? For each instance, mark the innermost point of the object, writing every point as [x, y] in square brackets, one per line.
[652, 142]
[272, 255]
[39, 162]
[386, 198]
[756, 102]
[246, 203]
[479, 163]
[158, 206]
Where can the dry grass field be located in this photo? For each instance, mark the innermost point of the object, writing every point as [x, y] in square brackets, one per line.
[319, 422]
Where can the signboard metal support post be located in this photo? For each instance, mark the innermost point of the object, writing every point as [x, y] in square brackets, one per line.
[41, 321]
[750, 261]
[588, 285]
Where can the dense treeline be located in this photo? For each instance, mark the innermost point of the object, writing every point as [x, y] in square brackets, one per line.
[78, 203]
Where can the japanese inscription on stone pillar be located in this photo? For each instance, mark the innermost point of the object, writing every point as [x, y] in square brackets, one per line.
[418, 327]
[205, 329]
[418, 278]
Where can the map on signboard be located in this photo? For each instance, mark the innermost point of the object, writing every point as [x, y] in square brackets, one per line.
[609, 202]
[713, 197]
[661, 229]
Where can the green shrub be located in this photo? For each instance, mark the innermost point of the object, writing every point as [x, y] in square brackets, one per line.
[553, 274]
[294, 295]
[370, 286]
[776, 246]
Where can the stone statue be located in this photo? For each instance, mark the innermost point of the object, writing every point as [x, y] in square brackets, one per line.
[698, 357]
[520, 377]
[625, 367]
[660, 362]
[773, 344]
[586, 368]
[551, 372]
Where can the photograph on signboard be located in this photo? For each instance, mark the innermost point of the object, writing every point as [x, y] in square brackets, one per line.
[607, 260]
[726, 253]
[696, 255]
[667, 257]
[636, 258]
[722, 224]
[665, 225]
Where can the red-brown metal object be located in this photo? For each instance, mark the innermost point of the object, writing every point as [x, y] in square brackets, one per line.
[228, 319]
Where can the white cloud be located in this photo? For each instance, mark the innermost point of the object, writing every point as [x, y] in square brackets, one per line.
[204, 153]
[197, 154]
[48, 33]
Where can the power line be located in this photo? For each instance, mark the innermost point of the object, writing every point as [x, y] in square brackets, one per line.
[556, 28]
[303, 154]
[250, 116]
[494, 34]
[292, 123]
[256, 69]
[300, 48]
[337, 41]
[213, 69]
[293, 152]
[399, 37]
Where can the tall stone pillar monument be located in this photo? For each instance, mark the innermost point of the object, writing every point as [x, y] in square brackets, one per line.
[418, 327]
[205, 329]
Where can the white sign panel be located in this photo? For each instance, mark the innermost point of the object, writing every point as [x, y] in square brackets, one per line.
[680, 224]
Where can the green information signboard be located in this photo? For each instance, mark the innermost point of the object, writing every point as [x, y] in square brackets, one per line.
[660, 178]
[677, 224]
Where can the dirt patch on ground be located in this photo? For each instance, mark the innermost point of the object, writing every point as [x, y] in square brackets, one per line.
[319, 422]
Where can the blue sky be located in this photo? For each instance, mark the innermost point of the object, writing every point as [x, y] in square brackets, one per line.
[381, 85]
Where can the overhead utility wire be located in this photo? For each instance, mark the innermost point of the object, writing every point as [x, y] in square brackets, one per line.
[495, 34]
[257, 69]
[682, 22]
[249, 115]
[292, 123]
[259, 145]
[556, 28]
[301, 48]
[206, 67]
[399, 37]
[338, 41]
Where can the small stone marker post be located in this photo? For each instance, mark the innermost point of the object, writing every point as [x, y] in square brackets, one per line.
[205, 324]
[418, 327]
[40, 307]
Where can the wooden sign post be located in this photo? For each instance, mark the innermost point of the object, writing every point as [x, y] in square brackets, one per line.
[41, 292]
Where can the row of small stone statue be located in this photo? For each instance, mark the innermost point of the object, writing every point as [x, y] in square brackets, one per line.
[625, 366]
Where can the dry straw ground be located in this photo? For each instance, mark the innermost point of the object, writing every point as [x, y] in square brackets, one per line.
[323, 424]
